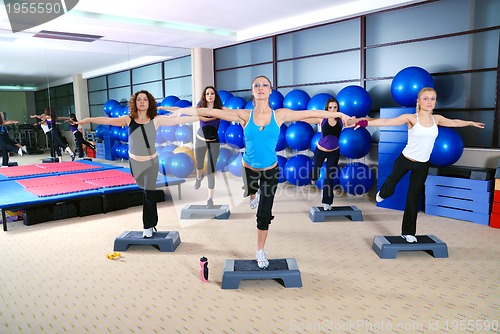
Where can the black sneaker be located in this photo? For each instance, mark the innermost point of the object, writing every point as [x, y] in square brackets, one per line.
[210, 203]
[197, 182]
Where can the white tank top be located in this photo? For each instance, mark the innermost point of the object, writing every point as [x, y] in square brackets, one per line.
[420, 141]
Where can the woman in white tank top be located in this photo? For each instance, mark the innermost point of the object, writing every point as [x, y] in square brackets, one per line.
[422, 133]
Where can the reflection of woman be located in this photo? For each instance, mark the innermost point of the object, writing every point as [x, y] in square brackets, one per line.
[6, 143]
[260, 161]
[79, 140]
[50, 118]
[422, 133]
[207, 141]
[143, 123]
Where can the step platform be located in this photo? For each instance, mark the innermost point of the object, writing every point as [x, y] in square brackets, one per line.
[285, 270]
[387, 247]
[202, 211]
[165, 241]
[318, 214]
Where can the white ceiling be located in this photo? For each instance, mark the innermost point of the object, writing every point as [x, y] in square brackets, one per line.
[138, 32]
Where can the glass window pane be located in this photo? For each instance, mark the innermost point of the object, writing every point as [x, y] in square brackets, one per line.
[442, 55]
[178, 67]
[241, 78]
[120, 94]
[180, 87]
[96, 83]
[155, 88]
[119, 79]
[99, 97]
[343, 66]
[244, 54]
[407, 24]
[146, 74]
[333, 37]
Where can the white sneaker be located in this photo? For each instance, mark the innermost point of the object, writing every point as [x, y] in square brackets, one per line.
[254, 202]
[25, 150]
[262, 261]
[378, 198]
[147, 233]
[409, 238]
[327, 207]
[20, 151]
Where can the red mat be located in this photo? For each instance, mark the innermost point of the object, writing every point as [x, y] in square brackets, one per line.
[113, 182]
[59, 189]
[46, 168]
[105, 174]
[48, 181]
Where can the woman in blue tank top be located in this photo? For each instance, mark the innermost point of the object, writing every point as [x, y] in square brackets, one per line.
[260, 161]
[422, 133]
[143, 122]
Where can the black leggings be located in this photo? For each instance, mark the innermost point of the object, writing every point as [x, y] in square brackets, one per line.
[7, 145]
[145, 174]
[80, 141]
[213, 148]
[332, 161]
[418, 174]
[267, 182]
[58, 141]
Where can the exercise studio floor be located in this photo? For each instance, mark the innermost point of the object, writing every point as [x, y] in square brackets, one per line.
[56, 278]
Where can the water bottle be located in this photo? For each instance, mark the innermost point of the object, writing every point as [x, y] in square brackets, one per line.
[204, 269]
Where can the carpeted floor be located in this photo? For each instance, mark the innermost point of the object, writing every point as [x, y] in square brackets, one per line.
[56, 278]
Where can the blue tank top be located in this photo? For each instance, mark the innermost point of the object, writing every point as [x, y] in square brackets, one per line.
[260, 143]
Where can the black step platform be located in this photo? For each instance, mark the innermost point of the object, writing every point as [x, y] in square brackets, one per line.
[202, 211]
[285, 270]
[318, 214]
[387, 247]
[165, 241]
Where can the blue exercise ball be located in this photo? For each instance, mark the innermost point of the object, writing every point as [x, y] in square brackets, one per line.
[125, 111]
[276, 100]
[249, 105]
[123, 134]
[99, 131]
[123, 151]
[181, 165]
[115, 150]
[298, 135]
[448, 147]
[111, 105]
[184, 133]
[223, 159]
[164, 161]
[356, 178]
[407, 83]
[281, 145]
[169, 148]
[235, 166]
[298, 170]
[354, 101]
[234, 136]
[355, 144]
[183, 104]
[169, 101]
[314, 141]
[168, 132]
[235, 102]
[224, 95]
[114, 132]
[159, 137]
[318, 101]
[281, 165]
[221, 131]
[296, 100]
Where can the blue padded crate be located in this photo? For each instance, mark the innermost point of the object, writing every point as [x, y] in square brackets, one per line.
[395, 112]
[391, 148]
[393, 136]
[458, 198]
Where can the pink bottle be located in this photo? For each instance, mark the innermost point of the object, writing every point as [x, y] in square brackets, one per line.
[204, 269]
